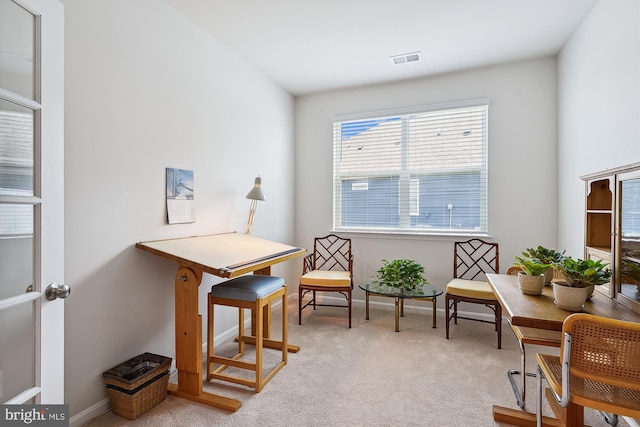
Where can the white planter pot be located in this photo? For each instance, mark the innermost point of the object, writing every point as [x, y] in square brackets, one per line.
[569, 298]
[531, 285]
[548, 276]
[590, 290]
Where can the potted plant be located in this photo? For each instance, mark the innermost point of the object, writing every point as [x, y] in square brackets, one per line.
[545, 256]
[531, 275]
[401, 273]
[580, 276]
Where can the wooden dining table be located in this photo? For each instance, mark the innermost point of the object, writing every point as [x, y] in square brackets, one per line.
[540, 311]
[225, 255]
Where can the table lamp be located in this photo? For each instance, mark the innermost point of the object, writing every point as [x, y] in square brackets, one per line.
[254, 195]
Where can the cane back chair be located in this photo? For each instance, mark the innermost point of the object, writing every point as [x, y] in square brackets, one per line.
[598, 367]
[328, 269]
[472, 259]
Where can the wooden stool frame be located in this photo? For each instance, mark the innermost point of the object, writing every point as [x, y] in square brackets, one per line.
[260, 308]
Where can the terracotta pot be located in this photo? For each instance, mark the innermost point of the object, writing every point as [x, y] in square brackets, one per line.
[569, 298]
[530, 285]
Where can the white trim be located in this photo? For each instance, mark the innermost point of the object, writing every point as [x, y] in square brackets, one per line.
[20, 299]
[93, 411]
[477, 102]
[24, 396]
[20, 100]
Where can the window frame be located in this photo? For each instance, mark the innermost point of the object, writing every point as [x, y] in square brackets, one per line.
[409, 175]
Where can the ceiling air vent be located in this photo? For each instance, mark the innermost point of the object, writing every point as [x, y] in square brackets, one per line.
[407, 57]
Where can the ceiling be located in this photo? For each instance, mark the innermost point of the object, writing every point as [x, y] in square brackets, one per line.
[308, 46]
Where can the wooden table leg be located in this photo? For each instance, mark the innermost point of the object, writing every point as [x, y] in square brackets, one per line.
[189, 344]
[572, 415]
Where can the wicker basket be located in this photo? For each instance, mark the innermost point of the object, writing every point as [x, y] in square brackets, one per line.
[138, 384]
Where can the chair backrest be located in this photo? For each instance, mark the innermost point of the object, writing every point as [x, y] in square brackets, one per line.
[604, 350]
[474, 258]
[332, 253]
[513, 270]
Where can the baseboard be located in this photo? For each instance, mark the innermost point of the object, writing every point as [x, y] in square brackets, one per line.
[388, 302]
[90, 413]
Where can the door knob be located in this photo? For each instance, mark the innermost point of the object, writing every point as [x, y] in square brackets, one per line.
[56, 290]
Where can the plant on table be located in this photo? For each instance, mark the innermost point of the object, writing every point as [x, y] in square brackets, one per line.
[401, 273]
[580, 277]
[581, 273]
[530, 275]
[544, 255]
[531, 266]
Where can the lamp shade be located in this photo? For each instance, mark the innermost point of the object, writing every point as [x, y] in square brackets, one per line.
[256, 192]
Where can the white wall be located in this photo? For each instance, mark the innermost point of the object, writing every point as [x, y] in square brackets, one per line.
[599, 107]
[522, 161]
[146, 89]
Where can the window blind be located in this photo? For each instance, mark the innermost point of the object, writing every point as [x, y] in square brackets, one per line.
[16, 172]
[423, 171]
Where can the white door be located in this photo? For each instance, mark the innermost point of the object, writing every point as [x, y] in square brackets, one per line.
[31, 201]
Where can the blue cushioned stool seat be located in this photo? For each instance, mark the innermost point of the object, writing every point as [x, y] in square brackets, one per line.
[253, 292]
[247, 288]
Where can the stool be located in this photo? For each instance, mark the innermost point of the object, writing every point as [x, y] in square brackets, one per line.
[254, 292]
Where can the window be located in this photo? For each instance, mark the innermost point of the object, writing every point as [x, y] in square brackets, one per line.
[414, 171]
[16, 169]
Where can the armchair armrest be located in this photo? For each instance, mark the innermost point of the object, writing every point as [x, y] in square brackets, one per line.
[308, 263]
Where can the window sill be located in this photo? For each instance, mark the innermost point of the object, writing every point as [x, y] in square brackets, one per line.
[380, 234]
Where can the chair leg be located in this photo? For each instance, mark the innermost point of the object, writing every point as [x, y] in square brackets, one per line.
[349, 297]
[519, 392]
[209, 336]
[611, 419]
[241, 331]
[455, 311]
[299, 306]
[259, 338]
[285, 326]
[538, 397]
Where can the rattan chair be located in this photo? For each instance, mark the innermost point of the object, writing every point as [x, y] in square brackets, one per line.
[472, 259]
[598, 367]
[328, 269]
[528, 336]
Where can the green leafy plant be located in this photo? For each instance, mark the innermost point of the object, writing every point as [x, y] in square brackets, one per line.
[531, 266]
[582, 273]
[544, 255]
[401, 273]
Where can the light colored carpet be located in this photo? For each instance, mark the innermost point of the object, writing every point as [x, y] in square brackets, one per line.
[368, 376]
